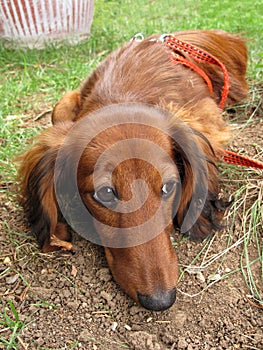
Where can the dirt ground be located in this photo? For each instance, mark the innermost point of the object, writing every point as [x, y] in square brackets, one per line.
[70, 301]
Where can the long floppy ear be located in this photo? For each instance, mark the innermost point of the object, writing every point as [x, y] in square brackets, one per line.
[67, 108]
[37, 194]
[231, 51]
[199, 210]
[78, 103]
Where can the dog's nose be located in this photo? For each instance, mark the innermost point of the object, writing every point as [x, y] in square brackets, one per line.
[159, 301]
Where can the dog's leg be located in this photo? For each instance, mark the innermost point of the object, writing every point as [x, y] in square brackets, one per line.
[60, 240]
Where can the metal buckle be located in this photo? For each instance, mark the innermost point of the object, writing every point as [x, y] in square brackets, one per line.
[138, 37]
[163, 37]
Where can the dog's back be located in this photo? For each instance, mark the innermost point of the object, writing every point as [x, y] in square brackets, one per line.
[141, 71]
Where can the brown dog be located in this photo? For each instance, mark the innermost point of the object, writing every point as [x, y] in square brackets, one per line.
[136, 148]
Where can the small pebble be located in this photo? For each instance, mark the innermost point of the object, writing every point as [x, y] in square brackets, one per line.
[12, 279]
[114, 326]
[214, 277]
[7, 261]
[200, 277]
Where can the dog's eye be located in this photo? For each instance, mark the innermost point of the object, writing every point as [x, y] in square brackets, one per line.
[106, 196]
[168, 188]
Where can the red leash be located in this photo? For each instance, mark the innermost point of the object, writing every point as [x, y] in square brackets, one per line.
[179, 48]
[237, 159]
[178, 51]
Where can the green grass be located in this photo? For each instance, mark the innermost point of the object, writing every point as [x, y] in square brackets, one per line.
[31, 77]
[247, 211]
[31, 81]
[11, 321]
[252, 228]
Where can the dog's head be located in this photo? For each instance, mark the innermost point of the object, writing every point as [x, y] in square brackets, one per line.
[136, 173]
[123, 177]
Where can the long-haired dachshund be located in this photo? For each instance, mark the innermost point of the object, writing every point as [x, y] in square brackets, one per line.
[132, 155]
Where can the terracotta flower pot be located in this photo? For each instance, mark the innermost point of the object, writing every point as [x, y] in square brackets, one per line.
[34, 23]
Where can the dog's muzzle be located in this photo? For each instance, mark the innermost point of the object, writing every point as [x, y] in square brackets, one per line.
[159, 301]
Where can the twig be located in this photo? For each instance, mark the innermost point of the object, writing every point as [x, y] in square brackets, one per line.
[24, 346]
[42, 114]
[24, 293]
[256, 304]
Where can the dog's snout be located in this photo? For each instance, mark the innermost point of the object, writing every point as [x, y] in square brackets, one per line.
[159, 301]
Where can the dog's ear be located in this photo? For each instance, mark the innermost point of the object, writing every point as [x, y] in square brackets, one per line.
[67, 108]
[37, 194]
[199, 210]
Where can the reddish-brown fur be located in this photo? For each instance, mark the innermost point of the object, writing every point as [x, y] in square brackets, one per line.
[141, 75]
